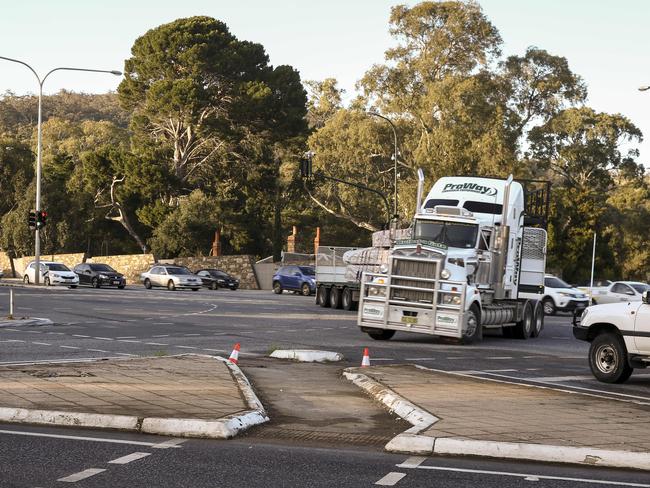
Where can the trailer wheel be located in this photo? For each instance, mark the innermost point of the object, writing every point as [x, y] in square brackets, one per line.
[380, 334]
[474, 330]
[346, 300]
[335, 297]
[323, 296]
[538, 319]
[524, 327]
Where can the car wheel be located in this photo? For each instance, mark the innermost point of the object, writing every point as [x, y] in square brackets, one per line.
[195, 289]
[608, 359]
[306, 291]
[347, 303]
[26, 279]
[121, 287]
[335, 297]
[73, 286]
[380, 334]
[524, 327]
[594, 302]
[277, 288]
[474, 330]
[170, 285]
[323, 296]
[46, 282]
[214, 286]
[147, 284]
[538, 319]
[549, 306]
[95, 283]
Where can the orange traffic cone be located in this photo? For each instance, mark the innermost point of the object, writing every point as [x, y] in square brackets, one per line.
[234, 355]
[366, 358]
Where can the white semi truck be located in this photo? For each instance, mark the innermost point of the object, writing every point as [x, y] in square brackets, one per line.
[474, 260]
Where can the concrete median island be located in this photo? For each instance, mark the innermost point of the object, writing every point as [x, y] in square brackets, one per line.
[455, 414]
[186, 395]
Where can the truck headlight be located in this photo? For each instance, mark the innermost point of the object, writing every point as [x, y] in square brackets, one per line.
[445, 274]
[449, 299]
[383, 269]
[376, 291]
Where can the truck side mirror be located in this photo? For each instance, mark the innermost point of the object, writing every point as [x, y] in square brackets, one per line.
[645, 297]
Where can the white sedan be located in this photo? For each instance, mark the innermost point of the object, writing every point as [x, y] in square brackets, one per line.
[171, 277]
[51, 273]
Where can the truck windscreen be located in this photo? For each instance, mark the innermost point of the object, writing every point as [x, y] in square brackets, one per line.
[453, 234]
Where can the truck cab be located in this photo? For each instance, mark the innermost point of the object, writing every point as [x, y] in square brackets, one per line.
[468, 256]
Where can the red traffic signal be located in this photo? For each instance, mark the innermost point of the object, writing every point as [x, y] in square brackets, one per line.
[41, 219]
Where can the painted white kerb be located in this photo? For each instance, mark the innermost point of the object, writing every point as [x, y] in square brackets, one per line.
[307, 355]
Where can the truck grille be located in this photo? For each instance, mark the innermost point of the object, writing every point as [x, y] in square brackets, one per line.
[417, 269]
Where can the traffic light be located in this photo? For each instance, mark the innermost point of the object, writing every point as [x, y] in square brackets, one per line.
[41, 219]
[32, 219]
[305, 167]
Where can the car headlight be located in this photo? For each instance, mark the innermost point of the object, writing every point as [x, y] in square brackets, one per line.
[55, 275]
[565, 294]
[221, 281]
[103, 276]
[445, 274]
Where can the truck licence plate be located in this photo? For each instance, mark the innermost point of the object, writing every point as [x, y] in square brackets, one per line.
[409, 320]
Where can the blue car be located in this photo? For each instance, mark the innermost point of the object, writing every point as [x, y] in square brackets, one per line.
[295, 278]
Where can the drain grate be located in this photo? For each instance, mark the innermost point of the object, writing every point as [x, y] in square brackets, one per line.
[320, 436]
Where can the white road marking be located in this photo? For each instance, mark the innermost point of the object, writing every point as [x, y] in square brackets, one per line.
[96, 350]
[164, 323]
[125, 354]
[104, 338]
[499, 357]
[499, 370]
[390, 479]
[191, 335]
[160, 335]
[534, 357]
[56, 333]
[187, 347]
[169, 443]
[79, 335]
[156, 344]
[42, 343]
[82, 475]
[215, 350]
[382, 359]
[128, 340]
[527, 475]
[413, 462]
[126, 337]
[14, 340]
[130, 457]
[420, 359]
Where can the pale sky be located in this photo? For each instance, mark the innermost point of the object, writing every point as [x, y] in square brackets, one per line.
[605, 41]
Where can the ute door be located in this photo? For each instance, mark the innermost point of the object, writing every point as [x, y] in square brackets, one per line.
[621, 292]
[642, 329]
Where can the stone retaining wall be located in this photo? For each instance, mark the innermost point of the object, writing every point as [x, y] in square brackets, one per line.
[5, 264]
[70, 260]
[239, 266]
[130, 265]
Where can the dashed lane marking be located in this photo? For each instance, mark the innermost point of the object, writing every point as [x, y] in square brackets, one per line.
[97, 350]
[126, 337]
[130, 457]
[104, 338]
[156, 344]
[186, 347]
[159, 335]
[70, 347]
[499, 357]
[169, 443]
[42, 343]
[526, 475]
[390, 479]
[82, 475]
[191, 335]
[79, 335]
[413, 462]
[126, 354]
[128, 340]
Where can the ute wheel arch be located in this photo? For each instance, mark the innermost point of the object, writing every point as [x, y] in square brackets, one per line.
[602, 328]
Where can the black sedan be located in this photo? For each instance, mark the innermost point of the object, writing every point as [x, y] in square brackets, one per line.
[98, 274]
[215, 278]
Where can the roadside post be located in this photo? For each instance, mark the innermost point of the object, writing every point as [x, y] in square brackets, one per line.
[11, 303]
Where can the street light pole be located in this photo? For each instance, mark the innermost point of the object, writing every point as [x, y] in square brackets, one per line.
[395, 160]
[37, 236]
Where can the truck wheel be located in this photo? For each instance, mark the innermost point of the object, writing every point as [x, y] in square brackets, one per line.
[380, 334]
[335, 297]
[323, 296]
[608, 359]
[524, 327]
[346, 300]
[538, 320]
[277, 288]
[474, 330]
[549, 306]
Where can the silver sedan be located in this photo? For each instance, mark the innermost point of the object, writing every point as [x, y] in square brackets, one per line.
[171, 277]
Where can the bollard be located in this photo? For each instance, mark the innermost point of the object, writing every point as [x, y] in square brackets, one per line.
[11, 303]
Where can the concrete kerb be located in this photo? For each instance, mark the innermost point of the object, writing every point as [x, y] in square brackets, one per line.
[222, 428]
[307, 355]
[412, 442]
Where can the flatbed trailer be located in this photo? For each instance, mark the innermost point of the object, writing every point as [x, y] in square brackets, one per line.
[335, 286]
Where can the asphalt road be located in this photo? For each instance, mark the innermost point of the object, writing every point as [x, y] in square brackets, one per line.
[93, 323]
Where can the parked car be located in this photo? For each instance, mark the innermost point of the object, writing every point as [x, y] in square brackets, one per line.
[619, 334]
[51, 273]
[98, 274]
[215, 278]
[295, 278]
[560, 296]
[618, 291]
[172, 277]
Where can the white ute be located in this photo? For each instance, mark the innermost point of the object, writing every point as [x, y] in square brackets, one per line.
[619, 334]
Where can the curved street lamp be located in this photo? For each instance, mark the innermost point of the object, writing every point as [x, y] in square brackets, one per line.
[37, 237]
